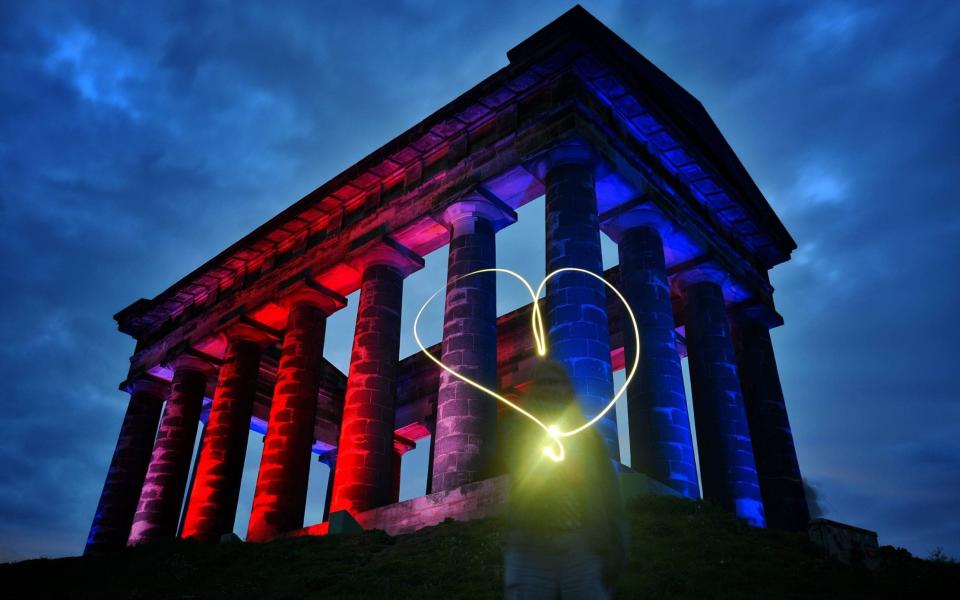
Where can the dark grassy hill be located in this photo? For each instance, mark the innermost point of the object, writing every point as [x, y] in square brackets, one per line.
[679, 550]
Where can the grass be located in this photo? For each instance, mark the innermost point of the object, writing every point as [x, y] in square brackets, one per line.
[679, 549]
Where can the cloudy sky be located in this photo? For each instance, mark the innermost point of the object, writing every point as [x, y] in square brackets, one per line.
[137, 142]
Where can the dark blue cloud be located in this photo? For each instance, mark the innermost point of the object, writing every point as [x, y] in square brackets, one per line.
[138, 141]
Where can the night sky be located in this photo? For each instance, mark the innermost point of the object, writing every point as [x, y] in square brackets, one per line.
[138, 142]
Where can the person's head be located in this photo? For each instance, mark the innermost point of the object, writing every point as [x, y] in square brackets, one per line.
[551, 391]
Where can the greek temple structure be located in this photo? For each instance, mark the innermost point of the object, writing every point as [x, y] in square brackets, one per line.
[618, 149]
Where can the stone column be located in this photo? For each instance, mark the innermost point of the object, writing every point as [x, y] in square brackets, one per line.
[661, 444]
[365, 454]
[212, 503]
[280, 497]
[193, 472]
[158, 509]
[727, 467]
[781, 485]
[400, 447]
[432, 428]
[128, 467]
[576, 304]
[466, 417]
[331, 461]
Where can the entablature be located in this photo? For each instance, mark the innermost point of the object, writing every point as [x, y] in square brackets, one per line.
[566, 85]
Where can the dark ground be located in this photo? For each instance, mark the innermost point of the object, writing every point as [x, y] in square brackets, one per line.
[679, 550]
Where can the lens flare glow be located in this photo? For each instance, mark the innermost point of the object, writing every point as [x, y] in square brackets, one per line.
[555, 451]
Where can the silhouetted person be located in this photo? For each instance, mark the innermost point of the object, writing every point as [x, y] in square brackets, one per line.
[566, 528]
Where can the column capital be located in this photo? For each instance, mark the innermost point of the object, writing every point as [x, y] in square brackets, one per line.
[402, 445]
[149, 385]
[757, 315]
[192, 362]
[308, 292]
[385, 251]
[617, 222]
[250, 333]
[705, 272]
[568, 152]
[461, 215]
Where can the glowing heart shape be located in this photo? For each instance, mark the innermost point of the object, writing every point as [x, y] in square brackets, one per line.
[555, 452]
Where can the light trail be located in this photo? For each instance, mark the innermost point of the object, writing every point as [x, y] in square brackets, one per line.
[556, 452]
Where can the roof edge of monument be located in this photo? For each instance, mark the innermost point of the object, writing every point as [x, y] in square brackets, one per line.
[575, 25]
[579, 25]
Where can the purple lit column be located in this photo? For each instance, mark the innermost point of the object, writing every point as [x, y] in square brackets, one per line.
[661, 444]
[128, 467]
[781, 485]
[576, 305]
[727, 467]
[465, 434]
[162, 495]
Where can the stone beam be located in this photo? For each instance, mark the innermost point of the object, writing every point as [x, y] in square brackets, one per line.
[492, 146]
[480, 159]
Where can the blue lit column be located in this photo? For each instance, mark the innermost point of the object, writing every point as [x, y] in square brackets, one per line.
[781, 485]
[661, 444]
[727, 467]
[576, 306]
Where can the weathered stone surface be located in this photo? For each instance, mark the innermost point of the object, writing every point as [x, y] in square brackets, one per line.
[128, 468]
[781, 485]
[846, 543]
[576, 303]
[476, 500]
[158, 509]
[365, 454]
[727, 466]
[466, 417]
[661, 444]
[280, 496]
[471, 501]
[212, 504]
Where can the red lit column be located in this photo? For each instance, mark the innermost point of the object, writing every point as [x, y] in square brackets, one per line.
[158, 509]
[212, 503]
[281, 493]
[121, 490]
[466, 417]
[363, 478]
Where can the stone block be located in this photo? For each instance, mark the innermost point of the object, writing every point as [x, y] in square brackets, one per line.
[342, 522]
